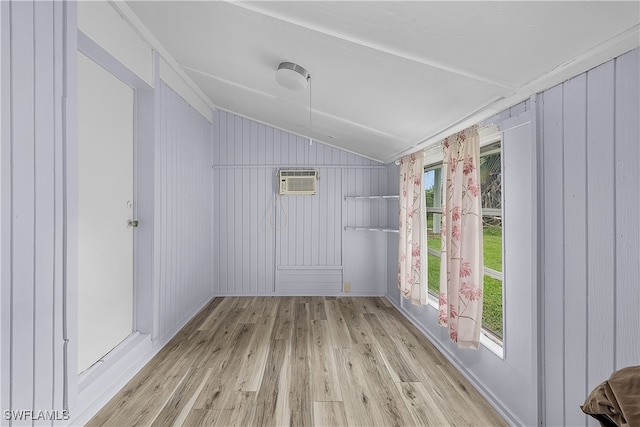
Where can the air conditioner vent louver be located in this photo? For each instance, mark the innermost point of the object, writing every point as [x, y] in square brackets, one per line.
[300, 182]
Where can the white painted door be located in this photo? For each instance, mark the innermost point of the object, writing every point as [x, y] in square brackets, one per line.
[105, 205]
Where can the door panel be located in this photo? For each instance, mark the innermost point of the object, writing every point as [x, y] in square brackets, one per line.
[105, 193]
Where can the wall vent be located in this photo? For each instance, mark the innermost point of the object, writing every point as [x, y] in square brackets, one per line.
[300, 182]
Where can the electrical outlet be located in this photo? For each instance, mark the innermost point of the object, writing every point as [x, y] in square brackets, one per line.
[347, 287]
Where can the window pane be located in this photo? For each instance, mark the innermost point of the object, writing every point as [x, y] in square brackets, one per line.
[491, 181]
[433, 261]
[491, 184]
[433, 187]
[491, 187]
[433, 196]
[492, 306]
[433, 265]
[433, 230]
[492, 244]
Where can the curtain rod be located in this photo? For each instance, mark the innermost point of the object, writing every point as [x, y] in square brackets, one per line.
[437, 144]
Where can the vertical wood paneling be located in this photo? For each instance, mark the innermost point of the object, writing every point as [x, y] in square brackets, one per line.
[185, 240]
[268, 188]
[268, 145]
[519, 227]
[253, 225]
[552, 120]
[600, 222]
[312, 154]
[23, 202]
[175, 196]
[575, 253]
[311, 223]
[230, 223]
[323, 212]
[284, 206]
[215, 139]
[334, 222]
[253, 145]
[248, 248]
[61, 131]
[323, 154]
[350, 190]
[223, 230]
[5, 204]
[261, 143]
[237, 140]
[366, 189]
[335, 156]
[303, 150]
[261, 224]
[167, 208]
[246, 136]
[367, 212]
[627, 137]
[221, 133]
[32, 155]
[304, 240]
[219, 207]
[246, 236]
[361, 247]
[591, 233]
[231, 132]
[298, 232]
[163, 214]
[172, 218]
[215, 205]
[344, 157]
[44, 204]
[392, 187]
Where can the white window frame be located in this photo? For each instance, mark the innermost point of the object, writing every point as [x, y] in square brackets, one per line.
[488, 339]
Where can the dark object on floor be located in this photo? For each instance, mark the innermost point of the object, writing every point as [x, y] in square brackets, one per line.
[616, 402]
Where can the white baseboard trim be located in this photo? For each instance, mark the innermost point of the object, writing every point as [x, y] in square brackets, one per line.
[100, 384]
[493, 400]
[305, 294]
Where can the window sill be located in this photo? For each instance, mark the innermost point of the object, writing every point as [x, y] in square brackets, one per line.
[485, 339]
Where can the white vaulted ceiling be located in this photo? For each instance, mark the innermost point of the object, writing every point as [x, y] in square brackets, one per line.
[386, 77]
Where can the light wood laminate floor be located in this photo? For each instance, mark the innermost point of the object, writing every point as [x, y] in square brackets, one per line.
[298, 361]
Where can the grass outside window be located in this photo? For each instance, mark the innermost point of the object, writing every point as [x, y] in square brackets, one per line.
[492, 293]
[491, 177]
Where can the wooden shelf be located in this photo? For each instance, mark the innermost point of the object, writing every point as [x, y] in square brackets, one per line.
[384, 230]
[389, 197]
[374, 228]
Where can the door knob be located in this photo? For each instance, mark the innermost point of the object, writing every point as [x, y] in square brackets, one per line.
[132, 223]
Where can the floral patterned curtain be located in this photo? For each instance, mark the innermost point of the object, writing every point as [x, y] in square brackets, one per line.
[411, 267]
[461, 266]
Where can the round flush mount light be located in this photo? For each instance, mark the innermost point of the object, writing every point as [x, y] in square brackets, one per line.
[292, 76]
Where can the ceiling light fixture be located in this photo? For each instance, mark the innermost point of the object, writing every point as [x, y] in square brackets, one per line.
[295, 77]
[292, 76]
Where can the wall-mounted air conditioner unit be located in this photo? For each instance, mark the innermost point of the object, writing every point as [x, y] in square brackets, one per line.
[297, 182]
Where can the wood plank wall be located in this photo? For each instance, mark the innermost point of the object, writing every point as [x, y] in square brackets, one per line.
[591, 234]
[33, 36]
[588, 137]
[393, 183]
[257, 236]
[185, 210]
